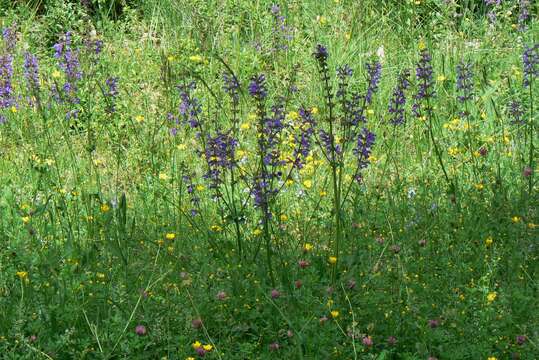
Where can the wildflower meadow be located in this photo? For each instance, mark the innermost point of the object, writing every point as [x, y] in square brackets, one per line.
[236, 179]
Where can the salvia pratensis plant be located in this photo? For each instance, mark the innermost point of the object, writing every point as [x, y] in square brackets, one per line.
[397, 103]
[343, 132]
[530, 63]
[465, 91]
[422, 107]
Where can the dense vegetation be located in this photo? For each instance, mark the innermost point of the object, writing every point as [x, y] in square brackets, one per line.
[257, 180]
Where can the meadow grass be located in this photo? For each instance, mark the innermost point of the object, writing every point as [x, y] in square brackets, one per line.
[160, 199]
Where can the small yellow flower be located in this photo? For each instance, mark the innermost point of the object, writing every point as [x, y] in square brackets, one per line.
[197, 345]
[479, 186]
[181, 146]
[421, 46]
[200, 187]
[308, 184]
[489, 241]
[13, 109]
[139, 118]
[100, 275]
[171, 58]
[245, 126]
[441, 78]
[190, 358]
[323, 193]
[332, 260]
[289, 182]
[284, 217]
[370, 112]
[334, 314]
[257, 232]
[492, 358]
[26, 219]
[322, 20]
[22, 275]
[216, 228]
[105, 207]
[314, 110]
[163, 176]
[56, 74]
[170, 236]
[491, 296]
[516, 219]
[293, 115]
[207, 347]
[308, 247]
[196, 59]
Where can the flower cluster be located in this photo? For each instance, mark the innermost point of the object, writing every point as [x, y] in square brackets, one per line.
[190, 107]
[111, 93]
[465, 81]
[68, 61]
[530, 62]
[398, 98]
[220, 155]
[424, 77]
[281, 33]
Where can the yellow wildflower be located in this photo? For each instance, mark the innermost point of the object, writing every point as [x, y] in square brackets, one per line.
[516, 219]
[491, 296]
[163, 176]
[441, 78]
[335, 314]
[104, 207]
[22, 275]
[197, 345]
[196, 59]
[308, 247]
[314, 110]
[284, 217]
[489, 241]
[207, 347]
[56, 74]
[308, 184]
[26, 219]
[332, 260]
[170, 236]
[245, 126]
[139, 118]
[200, 187]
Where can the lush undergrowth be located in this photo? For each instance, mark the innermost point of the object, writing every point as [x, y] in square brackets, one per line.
[249, 180]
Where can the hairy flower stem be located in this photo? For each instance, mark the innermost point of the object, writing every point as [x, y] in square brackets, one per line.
[265, 205]
[450, 184]
[336, 172]
[531, 134]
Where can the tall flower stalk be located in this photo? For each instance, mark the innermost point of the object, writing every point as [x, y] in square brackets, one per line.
[342, 137]
[530, 62]
[422, 106]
